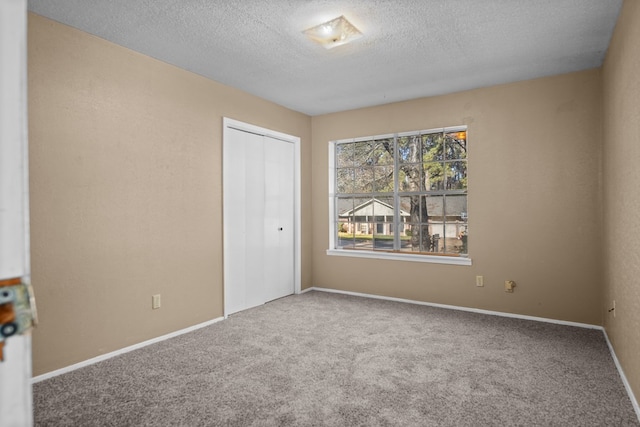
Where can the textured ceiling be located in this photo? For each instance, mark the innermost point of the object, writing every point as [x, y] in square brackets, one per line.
[410, 48]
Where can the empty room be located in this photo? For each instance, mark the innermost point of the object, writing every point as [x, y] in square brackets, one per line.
[320, 213]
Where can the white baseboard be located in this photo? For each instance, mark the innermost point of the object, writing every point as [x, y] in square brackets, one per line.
[456, 307]
[627, 386]
[121, 351]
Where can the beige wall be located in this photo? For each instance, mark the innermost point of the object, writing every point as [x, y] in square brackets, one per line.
[534, 207]
[621, 73]
[126, 192]
[126, 195]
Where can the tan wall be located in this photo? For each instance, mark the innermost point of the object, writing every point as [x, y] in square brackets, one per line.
[534, 211]
[126, 196]
[621, 74]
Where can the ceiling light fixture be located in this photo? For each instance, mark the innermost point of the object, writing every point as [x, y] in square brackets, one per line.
[333, 33]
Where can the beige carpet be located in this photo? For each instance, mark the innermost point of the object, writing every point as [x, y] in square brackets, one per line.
[322, 359]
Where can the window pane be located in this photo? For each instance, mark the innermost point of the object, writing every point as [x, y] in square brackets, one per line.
[383, 152]
[405, 218]
[383, 209]
[409, 177]
[456, 145]
[425, 243]
[456, 175]
[435, 222]
[434, 176]
[410, 238]
[345, 208]
[463, 236]
[435, 207]
[363, 238]
[456, 240]
[344, 155]
[436, 241]
[362, 154]
[345, 234]
[364, 182]
[383, 236]
[410, 209]
[345, 229]
[456, 223]
[409, 149]
[456, 207]
[345, 181]
[432, 147]
[383, 179]
[362, 210]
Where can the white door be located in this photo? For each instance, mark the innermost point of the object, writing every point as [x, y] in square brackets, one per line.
[15, 371]
[278, 218]
[259, 219]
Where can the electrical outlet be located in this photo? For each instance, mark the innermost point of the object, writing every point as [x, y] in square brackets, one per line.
[479, 281]
[155, 301]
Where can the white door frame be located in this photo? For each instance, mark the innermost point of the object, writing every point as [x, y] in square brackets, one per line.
[227, 210]
[15, 372]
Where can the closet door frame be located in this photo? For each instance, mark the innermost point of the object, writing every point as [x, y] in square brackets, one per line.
[228, 209]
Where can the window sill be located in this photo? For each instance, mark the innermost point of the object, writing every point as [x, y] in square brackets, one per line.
[397, 256]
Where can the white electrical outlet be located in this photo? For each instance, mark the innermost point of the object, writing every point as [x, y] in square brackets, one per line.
[479, 281]
[155, 301]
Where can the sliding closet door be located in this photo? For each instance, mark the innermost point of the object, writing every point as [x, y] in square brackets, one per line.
[258, 219]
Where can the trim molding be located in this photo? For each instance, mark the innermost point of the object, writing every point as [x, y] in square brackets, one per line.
[106, 356]
[627, 386]
[456, 307]
[400, 256]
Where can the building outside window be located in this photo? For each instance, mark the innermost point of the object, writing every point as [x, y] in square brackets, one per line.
[414, 182]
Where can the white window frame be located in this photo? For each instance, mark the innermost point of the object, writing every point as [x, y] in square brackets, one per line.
[397, 256]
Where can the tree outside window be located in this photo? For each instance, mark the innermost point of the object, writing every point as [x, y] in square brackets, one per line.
[415, 183]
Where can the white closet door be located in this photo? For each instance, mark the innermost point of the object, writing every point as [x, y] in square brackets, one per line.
[253, 206]
[258, 219]
[244, 208]
[279, 219]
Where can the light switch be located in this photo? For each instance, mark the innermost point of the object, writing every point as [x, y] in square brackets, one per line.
[155, 301]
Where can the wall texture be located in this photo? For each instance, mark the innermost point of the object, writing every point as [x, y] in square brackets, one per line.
[126, 195]
[534, 206]
[621, 152]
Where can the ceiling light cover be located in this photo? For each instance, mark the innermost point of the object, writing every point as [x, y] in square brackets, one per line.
[333, 33]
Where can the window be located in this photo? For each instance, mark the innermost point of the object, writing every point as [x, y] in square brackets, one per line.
[415, 183]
